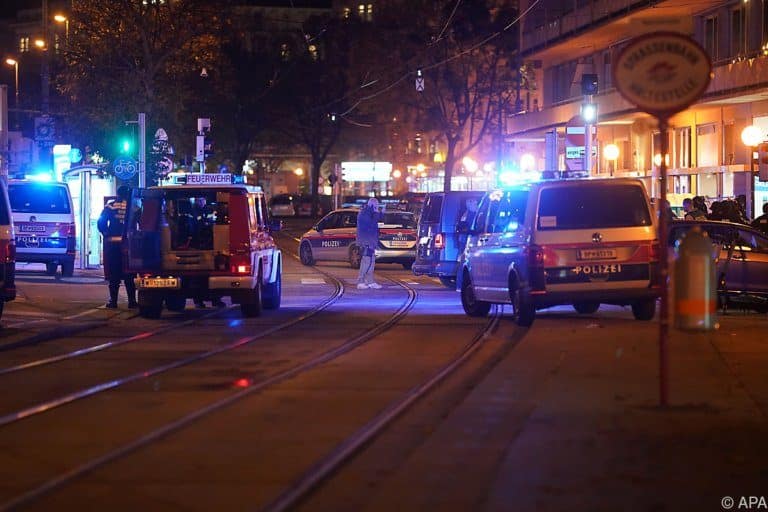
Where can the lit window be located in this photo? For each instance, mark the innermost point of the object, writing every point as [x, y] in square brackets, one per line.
[347, 13]
[369, 12]
[312, 51]
[361, 10]
[24, 44]
[285, 52]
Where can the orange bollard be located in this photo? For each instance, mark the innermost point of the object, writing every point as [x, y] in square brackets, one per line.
[695, 284]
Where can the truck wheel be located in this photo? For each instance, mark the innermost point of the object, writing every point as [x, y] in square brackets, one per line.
[586, 308]
[471, 305]
[524, 311]
[305, 254]
[252, 308]
[67, 268]
[408, 264]
[50, 269]
[644, 309]
[273, 292]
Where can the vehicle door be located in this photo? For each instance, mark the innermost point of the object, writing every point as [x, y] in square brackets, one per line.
[505, 242]
[478, 249]
[723, 237]
[320, 237]
[750, 261]
[345, 235]
[261, 239]
[142, 240]
[429, 226]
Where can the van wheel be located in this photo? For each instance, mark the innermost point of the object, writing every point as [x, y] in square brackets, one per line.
[523, 310]
[305, 254]
[586, 308]
[471, 305]
[150, 311]
[67, 268]
[252, 308]
[644, 309]
[448, 282]
[176, 304]
[355, 256]
[50, 269]
[273, 292]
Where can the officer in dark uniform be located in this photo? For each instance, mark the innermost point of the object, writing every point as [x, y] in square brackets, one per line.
[111, 225]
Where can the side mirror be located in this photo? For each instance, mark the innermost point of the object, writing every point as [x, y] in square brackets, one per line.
[275, 224]
[318, 228]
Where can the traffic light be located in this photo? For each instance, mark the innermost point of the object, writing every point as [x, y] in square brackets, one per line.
[589, 112]
[208, 146]
[125, 145]
[589, 84]
[762, 161]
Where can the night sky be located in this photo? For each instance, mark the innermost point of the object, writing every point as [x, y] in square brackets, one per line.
[8, 8]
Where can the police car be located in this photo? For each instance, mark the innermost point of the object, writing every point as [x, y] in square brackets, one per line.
[333, 239]
[202, 236]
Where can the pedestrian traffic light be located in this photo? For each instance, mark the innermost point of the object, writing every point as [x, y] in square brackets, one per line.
[208, 147]
[125, 146]
[762, 161]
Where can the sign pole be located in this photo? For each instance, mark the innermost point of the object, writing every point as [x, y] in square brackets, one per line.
[662, 73]
[142, 150]
[664, 270]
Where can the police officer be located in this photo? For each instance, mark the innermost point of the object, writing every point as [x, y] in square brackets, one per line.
[111, 225]
[367, 239]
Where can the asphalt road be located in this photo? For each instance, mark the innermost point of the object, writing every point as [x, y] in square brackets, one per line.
[205, 410]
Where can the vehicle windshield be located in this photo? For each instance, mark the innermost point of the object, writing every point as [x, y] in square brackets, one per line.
[402, 220]
[611, 206]
[191, 216]
[34, 198]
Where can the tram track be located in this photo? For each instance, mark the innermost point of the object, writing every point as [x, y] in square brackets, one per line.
[256, 387]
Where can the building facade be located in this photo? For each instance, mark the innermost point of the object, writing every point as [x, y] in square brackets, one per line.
[565, 41]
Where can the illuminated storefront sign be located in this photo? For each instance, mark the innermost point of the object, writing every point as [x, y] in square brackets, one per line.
[366, 171]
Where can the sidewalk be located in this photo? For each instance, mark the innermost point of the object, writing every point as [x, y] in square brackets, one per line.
[596, 438]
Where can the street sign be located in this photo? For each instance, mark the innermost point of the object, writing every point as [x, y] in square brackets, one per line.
[420, 84]
[125, 168]
[662, 72]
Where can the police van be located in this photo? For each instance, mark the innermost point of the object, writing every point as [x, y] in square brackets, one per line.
[7, 251]
[203, 236]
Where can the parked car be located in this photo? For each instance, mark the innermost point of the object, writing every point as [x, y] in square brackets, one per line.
[579, 242]
[439, 242]
[7, 251]
[283, 205]
[741, 254]
[44, 220]
[304, 205]
[333, 239]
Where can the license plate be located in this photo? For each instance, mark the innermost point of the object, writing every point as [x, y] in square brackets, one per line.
[597, 254]
[160, 282]
[400, 243]
[609, 268]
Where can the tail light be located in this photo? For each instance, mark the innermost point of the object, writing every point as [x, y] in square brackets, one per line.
[655, 251]
[71, 240]
[240, 264]
[535, 256]
[7, 251]
[440, 241]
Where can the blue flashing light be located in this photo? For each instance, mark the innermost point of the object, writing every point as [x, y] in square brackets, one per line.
[41, 176]
[509, 178]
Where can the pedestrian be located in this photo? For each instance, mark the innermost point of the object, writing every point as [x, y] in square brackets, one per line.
[111, 225]
[367, 239]
[692, 208]
[761, 223]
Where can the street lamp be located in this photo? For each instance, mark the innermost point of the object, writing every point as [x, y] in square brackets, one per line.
[751, 136]
[611, 153]
[15, 64]
[60, 18]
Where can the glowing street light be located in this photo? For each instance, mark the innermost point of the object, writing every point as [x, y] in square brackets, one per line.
[396, 173]
[298, 171]
[60, 18]
[40, 43]
[611, 153]
[15, 64]
[751, 136]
